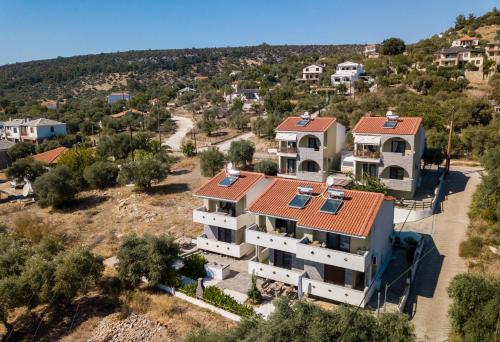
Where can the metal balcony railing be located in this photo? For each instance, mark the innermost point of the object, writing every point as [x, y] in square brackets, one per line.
[367, 154]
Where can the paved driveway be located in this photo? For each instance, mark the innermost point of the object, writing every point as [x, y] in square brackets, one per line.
[429, 301]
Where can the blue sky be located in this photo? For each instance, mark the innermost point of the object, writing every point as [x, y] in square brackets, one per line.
[39, 29]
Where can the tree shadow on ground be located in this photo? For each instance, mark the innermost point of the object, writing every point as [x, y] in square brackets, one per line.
[180, 172]
[171, 188]
[84, 203]
[55, 322]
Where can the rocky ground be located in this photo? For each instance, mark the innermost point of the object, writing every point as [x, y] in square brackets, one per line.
[135, 328]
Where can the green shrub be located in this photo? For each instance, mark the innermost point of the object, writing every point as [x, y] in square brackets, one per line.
[268, 167]
[188, 289]
[215, 296]
[188, 148]
[194, 266]
[55, 188]
[253, 292]
[101, 175]
[471, 248]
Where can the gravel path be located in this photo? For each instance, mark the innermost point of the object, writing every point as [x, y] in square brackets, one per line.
[224, 146]
[430, 300]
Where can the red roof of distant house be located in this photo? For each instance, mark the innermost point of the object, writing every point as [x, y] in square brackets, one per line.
[232, 193]
[375, 125]
[315, 125]
[51, 156]
[467, 38]
[355, 216]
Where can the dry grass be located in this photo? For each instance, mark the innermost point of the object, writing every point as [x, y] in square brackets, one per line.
[488, 32]
[101, 218]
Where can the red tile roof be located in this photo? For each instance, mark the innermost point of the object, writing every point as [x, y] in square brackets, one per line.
[355, 216]
[316, 125]
[232, 193]
[51, 156]
[121, 114]
[375, 125]
[465, 38]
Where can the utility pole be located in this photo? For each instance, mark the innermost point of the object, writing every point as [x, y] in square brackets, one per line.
[158, 121]
[448, 150]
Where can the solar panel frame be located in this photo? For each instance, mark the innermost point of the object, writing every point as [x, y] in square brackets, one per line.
[228, 181]
[299, 201]
[390, 124]
[331, 206]
[302, 123]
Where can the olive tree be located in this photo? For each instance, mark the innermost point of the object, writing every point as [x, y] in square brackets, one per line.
[55, 188]
[211, 162]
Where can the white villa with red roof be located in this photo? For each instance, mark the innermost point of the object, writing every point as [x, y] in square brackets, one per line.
[224, 212]
[309, 148]
[330, 243]
[466, 41]
[390, 148]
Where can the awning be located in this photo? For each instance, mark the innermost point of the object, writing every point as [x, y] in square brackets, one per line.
[286, 136]
[367, 139]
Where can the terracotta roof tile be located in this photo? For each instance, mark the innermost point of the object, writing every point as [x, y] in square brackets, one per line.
[232, 193]
[375, 125]
[316, 125]
[355, 216]
[51, 156]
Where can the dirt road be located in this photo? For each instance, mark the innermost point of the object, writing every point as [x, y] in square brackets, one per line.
[184, 125]
[429, 301]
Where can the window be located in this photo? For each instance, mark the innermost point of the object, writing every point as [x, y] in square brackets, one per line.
[224, 235]
[370, 170]
[282, 259]
[317, 69]
[396, 172]
[311, 166]
[14, 129]
[313, 143]
[398, 146]
[52, 128]
[32, 130]
[345, 243]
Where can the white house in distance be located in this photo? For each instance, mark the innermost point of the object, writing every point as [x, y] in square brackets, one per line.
[32, 130]
[312, 72]
[390, 148]
[309, 148]
[329, 242]
[465, 41]
[119, 96]
[224, 213]
[347, 73]
[371, 51]
[493, 51]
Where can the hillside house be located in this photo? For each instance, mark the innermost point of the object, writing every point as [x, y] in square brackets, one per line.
[51, 157]
[465, 41]
[309, 148]
[224, 213]
[312, 72]
[390, 148]
[347, 73]
[371, 51]
[119, 96]
[50, 104]
[32, 130]
[458, 56]
[493, 51]
[331, 243]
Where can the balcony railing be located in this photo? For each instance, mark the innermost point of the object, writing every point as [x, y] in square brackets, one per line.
[291, 172]
[367, 154]
[324, 255]
[259, 237]
[275, 273]
[333, 292]
[225, 248]
[222, 219]
[287, 149]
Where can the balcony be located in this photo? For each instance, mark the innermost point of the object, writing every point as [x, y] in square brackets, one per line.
[287, 173]
[334, 292]
[367, 155]
[314, 252]
[274, 273]
[225, 248]
[311, 176]
[222, 219]
[288, 150]
[279, 241]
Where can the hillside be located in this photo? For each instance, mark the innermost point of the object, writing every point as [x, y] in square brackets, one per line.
[58, 77]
